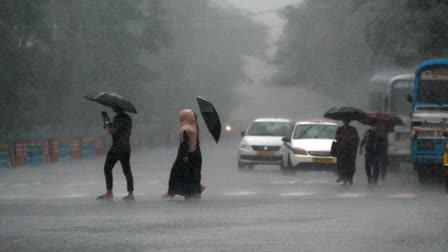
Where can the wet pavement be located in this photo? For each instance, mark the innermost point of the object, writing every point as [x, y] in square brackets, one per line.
[54, 209]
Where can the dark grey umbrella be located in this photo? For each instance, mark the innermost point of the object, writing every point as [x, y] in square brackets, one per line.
[112, 100]
[211, 117]
[345, 113]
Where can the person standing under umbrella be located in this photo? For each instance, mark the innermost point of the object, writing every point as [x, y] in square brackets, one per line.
[375, 143]
[185, 176]
[347, 140]
[383, 132]
[120, 129]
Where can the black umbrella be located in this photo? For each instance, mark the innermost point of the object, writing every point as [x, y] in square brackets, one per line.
[211, 117]
[345, 114]
[112, 100]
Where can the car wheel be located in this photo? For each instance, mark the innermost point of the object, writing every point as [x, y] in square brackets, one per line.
[241, 166]
[288, 169]
[282, 165]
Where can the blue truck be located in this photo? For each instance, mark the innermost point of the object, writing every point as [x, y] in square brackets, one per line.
[429, 119]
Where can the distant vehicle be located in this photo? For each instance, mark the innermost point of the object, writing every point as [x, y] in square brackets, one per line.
[429, 118]
[261, 142]
[309, 145]
[387, 93]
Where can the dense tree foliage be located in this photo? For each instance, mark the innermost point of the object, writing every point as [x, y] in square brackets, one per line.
[335, 46]
[159, 54]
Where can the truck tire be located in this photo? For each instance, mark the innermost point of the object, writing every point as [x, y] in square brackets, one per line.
[241, 166]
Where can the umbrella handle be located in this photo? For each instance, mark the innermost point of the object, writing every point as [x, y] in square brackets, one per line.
[106, 119]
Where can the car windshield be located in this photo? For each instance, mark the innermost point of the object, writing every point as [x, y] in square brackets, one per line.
[269, 129]
[315, 131]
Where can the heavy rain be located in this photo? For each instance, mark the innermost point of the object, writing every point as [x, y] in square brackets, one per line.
[224, 125]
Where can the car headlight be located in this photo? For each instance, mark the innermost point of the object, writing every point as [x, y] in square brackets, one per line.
[245, 146]
[299, 151]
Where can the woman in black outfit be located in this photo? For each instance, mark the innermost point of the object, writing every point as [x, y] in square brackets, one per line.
[185, 177]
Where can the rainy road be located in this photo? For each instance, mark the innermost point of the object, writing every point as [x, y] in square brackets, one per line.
[54, 209]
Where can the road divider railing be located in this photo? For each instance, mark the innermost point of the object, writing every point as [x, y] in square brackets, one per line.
[4, 156]
[35, 153]
[38, 153]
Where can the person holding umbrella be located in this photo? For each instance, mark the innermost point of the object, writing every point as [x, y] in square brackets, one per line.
[347, 141]
[120, 129]
[185, 176]
[376, 144]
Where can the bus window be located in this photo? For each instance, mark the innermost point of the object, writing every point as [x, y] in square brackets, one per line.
[433, 85]
[399, 91]
[377, 101]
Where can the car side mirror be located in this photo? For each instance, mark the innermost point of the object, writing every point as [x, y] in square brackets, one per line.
[243, 133]
[286, 139]
[409, 98]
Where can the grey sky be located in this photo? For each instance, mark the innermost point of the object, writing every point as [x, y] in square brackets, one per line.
[265, 100]
[271, 19]
[256, 69]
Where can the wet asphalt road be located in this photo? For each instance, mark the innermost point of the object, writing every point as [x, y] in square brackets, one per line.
[54, 209]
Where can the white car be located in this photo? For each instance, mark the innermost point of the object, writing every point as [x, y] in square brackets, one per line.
[309, 145]
[262, 141]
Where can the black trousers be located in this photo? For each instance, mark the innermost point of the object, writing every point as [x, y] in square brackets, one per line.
[384, 163]
[111, 159]
[372, 161]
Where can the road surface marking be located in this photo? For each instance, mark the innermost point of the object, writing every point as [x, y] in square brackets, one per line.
[20, 185]
[20, 196]
[403, 196]
[125, 194]
[351, 195]
[316, 182]
[81, 184]
[241, 193]
[154, 182]
[75, 196]
[284, 182]
[297, 194]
